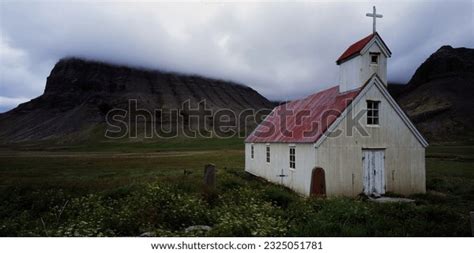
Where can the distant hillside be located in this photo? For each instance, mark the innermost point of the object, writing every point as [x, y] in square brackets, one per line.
[395, 89]
[439, 96]
[79, 93]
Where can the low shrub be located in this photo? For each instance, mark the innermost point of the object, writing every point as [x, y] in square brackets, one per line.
[279, 196]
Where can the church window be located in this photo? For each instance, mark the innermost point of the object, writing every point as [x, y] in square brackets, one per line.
[268, 153]
[373, 112]
[292, 158]
[251, 151]
[374, 58]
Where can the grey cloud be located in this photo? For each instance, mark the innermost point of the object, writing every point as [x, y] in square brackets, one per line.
[283, 50]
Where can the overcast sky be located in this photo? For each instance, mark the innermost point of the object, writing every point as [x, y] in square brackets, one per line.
[283, 50]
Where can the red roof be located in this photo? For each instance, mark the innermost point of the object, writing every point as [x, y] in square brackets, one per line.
[304, 120]
[355, 48]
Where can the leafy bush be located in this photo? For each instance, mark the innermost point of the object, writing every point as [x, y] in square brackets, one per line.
[242, 213]
[279, 196]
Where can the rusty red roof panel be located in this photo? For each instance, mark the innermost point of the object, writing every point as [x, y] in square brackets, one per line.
[304, 120]
[355, 48]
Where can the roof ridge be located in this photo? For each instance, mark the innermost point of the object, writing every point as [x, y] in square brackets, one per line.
[318, 105]
[317, 92]
[307, 97]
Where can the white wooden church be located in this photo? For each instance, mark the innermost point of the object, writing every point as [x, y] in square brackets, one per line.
[349, 139]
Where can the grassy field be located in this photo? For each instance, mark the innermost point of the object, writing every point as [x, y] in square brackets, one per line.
[126, 189]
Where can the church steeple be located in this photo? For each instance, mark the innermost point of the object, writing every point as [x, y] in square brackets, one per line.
[362, 59]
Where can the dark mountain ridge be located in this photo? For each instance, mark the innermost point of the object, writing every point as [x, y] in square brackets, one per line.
[439, 96]
[79, 93]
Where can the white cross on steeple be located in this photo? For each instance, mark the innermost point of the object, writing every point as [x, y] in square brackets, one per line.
[374, 16]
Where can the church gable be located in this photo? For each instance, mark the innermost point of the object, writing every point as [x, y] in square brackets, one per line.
[380, 44]
[374, 61]
[391, 118]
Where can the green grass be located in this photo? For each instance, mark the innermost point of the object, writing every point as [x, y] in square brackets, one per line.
[461, 153]
[127, 188]
[92, 172]
[131, 145]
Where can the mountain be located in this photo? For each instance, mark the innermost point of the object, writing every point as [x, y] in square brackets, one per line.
[395, 89]
[439, 96]
[79, 93]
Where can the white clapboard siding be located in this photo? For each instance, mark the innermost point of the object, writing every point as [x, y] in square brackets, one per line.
[298, 179]
[341, 157]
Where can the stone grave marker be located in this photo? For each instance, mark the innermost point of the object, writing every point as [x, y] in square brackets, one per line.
[210, 175]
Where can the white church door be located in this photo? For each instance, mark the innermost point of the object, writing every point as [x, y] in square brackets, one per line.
[373, 169]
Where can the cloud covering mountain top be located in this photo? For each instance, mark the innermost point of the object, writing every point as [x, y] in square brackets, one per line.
[282, 50]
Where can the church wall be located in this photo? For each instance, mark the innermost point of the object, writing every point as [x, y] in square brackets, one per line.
[296, 179]
[367, 69]
[349, 74]
[341, 157]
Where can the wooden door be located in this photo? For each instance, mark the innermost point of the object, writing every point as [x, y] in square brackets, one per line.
[374, 172]
[318, 182]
